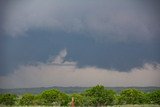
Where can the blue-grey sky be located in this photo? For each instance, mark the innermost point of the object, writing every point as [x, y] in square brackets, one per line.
[106, 37]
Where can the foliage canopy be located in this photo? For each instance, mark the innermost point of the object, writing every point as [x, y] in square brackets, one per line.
[94, 96]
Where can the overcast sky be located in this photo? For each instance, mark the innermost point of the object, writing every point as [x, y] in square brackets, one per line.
[79, 43]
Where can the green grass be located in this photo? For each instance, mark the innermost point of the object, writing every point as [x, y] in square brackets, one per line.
[145, 105]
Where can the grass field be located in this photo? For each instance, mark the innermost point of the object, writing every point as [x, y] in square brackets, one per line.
[147, 105]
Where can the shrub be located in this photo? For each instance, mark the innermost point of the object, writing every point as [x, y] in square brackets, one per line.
[99, 96]
[51, 97]
[155, 97]
[8, 99]
[131, 96]
[27, 99]
[78, 99]
[63, 99]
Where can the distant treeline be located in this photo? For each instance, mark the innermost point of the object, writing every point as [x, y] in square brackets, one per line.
[70, 90]
[94, 96]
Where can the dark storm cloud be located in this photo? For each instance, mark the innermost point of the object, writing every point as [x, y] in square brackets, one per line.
[107, 34]
[116, 20]
[60, 72]
[114, 41]
[3, 5]
[82, 49]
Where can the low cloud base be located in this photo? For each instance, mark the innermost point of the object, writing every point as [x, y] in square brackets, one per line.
[65, 73]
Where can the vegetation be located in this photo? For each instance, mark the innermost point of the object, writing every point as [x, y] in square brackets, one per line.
[27, 99]
[154, 97]
[95, 96]
[99, 96]
[132, 96]
[8, 99]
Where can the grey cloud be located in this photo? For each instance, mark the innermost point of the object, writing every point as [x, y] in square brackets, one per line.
[60, 58]
[116, 20]
[68, 74]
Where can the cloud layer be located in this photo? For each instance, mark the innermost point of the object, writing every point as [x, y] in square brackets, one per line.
[66, 73]
[115, 20]
[36, 29]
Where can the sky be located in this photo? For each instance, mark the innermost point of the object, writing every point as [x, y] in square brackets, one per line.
[79, 43]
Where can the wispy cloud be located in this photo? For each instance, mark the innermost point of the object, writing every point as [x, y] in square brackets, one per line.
[60, 58]
[66, 73]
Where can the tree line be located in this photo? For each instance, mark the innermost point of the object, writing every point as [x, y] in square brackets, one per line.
[94, 96]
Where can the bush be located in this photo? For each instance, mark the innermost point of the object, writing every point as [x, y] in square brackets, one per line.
[78, 99]
[51, 97]
[155, 97]
[95, 96]
[131, 96]
[55, 97]
[99, 96]
[63, 99]
[27, 99]
[8, 99]
[38, 100]
[110, 97]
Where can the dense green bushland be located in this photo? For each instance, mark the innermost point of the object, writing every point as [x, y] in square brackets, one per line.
[95, 96]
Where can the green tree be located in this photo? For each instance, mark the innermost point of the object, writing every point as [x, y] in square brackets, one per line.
[38, 100]
[146, 98]
[89, 101]
[110, 97]
[63, 99]
[8, 99]
[51, 97]
[131, 96]
[27, 99]
[155, 97]
[1, 97]
[99, 96]
[78, 99]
